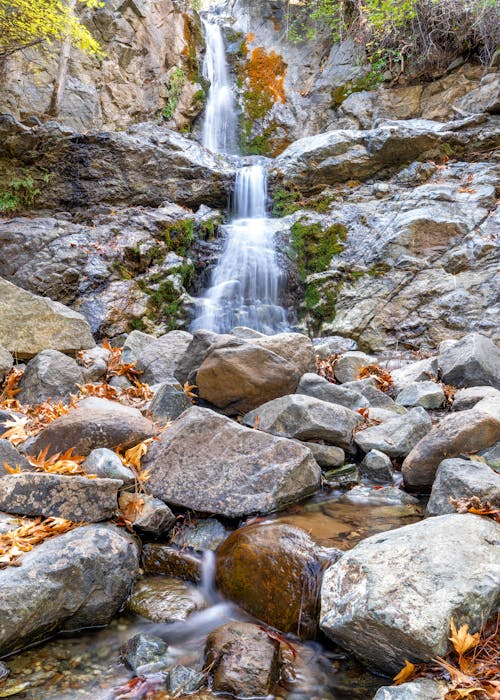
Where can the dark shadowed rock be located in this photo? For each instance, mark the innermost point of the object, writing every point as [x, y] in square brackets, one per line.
[273, 571]
[169, 402]
[94, 423]
[391, 598]
[470, 396]
[463, 478]
[472, 361]
[163, 560]
[211, 464]
[12, 457]
[79, 579]
[75, 498]
[463, 432]
[243, 659]
[50, 374]
[152, 516]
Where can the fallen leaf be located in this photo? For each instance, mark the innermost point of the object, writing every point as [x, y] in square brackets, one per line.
[462, 640]
[407, 672]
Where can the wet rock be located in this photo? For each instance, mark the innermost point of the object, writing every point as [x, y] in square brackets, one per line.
[239, 378]
[6, 363]
[4, 671]
[163, 599]
[386, 496]
[79, 579]
[207, 533]
[94, 423]
[244, 660]
[425, 394]
[473, 361]
[348, 365]
[472, 395]
[420, 371]
[273, 571]
[304, 418]
[160, 559]
[143, 649]
[421, 689]
[326, 455]
[397, 436]
[294, 347]
[344, 477]
[158, 359]
[30, 324]
[184, 680]
[169, 402]
[107, 465]
[152, 515]
[75, 498]
[50, 374]
[462, 478]
[319, 388]
[463, 432]
[239, 471]
[9, 455]
[377, 467]
[371, 606]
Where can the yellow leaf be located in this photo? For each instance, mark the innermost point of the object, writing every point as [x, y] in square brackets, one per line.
[16, 430]
[405, 674]
[462, 641]
[11, 470]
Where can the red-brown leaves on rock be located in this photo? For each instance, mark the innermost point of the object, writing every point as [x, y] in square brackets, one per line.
[66, 464]
[16, 542]
[476, 506]
[381, 375]
[325, 367]
[10, 389]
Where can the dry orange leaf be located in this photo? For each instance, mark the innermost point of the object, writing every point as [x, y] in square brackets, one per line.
[462, 640]
[16, 432]
[407, 672]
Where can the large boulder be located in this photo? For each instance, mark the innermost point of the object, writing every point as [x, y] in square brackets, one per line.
[75, 498]
[397, 436]
[273, 571]
[238, 471]
[472, 361]
[294, 347]
[319, 388]
[463, 432]
[462, 478]
[391, 598]
[94, 423]
[158, 359]
[239, 378]
[50, 374]
[304, 418]
[30, 324]
[79, 579]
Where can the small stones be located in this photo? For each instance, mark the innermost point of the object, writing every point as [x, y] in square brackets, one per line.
[377, 466]
[106, 464]
[149, 514]
[143, 649]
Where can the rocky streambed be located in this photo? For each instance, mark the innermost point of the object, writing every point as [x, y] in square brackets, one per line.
[264, 517]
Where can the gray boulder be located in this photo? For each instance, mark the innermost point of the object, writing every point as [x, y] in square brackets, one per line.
[50, 374]
[492, 455]
[304, 418]
[490, 405]
[320, 388]
[106, 464]
[391, 598]
[238, 471]
[9, 455]
[421, 689]
[397, 436]
[326, 456]
[94, 423]
[420, 371]
[153, 515]
[158, 359]
[377, 467]
[461, 478]
[472, 361]
[135, 345]
[30, 324]
[6, 362]
[169, 402]
[79, 579]
[456, 434]
[425, 394]
[75, 498]
[294, 347]
[348, 365]
[472, 395]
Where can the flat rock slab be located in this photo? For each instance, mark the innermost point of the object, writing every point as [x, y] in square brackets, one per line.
[463, 432]
[211, 464]
[30, 324]
[95, 423]
[391, 598]
[79, 579]
[75, 498]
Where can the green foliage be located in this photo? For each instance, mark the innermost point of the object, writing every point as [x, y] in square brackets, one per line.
[285, 201]
[174, 90]
[21, 193]
[179, 235]
[315, 247]
[209, 227]
[26, 23]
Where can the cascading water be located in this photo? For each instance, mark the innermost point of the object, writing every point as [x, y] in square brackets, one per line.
[245, 285]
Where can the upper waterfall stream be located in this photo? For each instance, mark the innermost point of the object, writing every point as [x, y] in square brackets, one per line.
[245, 285]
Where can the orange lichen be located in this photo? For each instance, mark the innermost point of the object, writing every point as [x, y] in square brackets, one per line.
[263, 75]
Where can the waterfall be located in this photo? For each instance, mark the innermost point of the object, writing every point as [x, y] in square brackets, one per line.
[245, 285]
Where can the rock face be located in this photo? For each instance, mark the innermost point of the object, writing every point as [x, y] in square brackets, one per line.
[274, 571]
[463, 432]
[240, 378]
[244, 660]
[30, 324]
[94, 423]
[304, 418]
[75, 498]
[238, 471]
[116, 167]
[76, 580]
[461, 478]
[392, 596]
[50, 375]
[397, 436]
[473, 361]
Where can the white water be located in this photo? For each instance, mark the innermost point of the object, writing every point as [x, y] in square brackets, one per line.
[245, 285]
